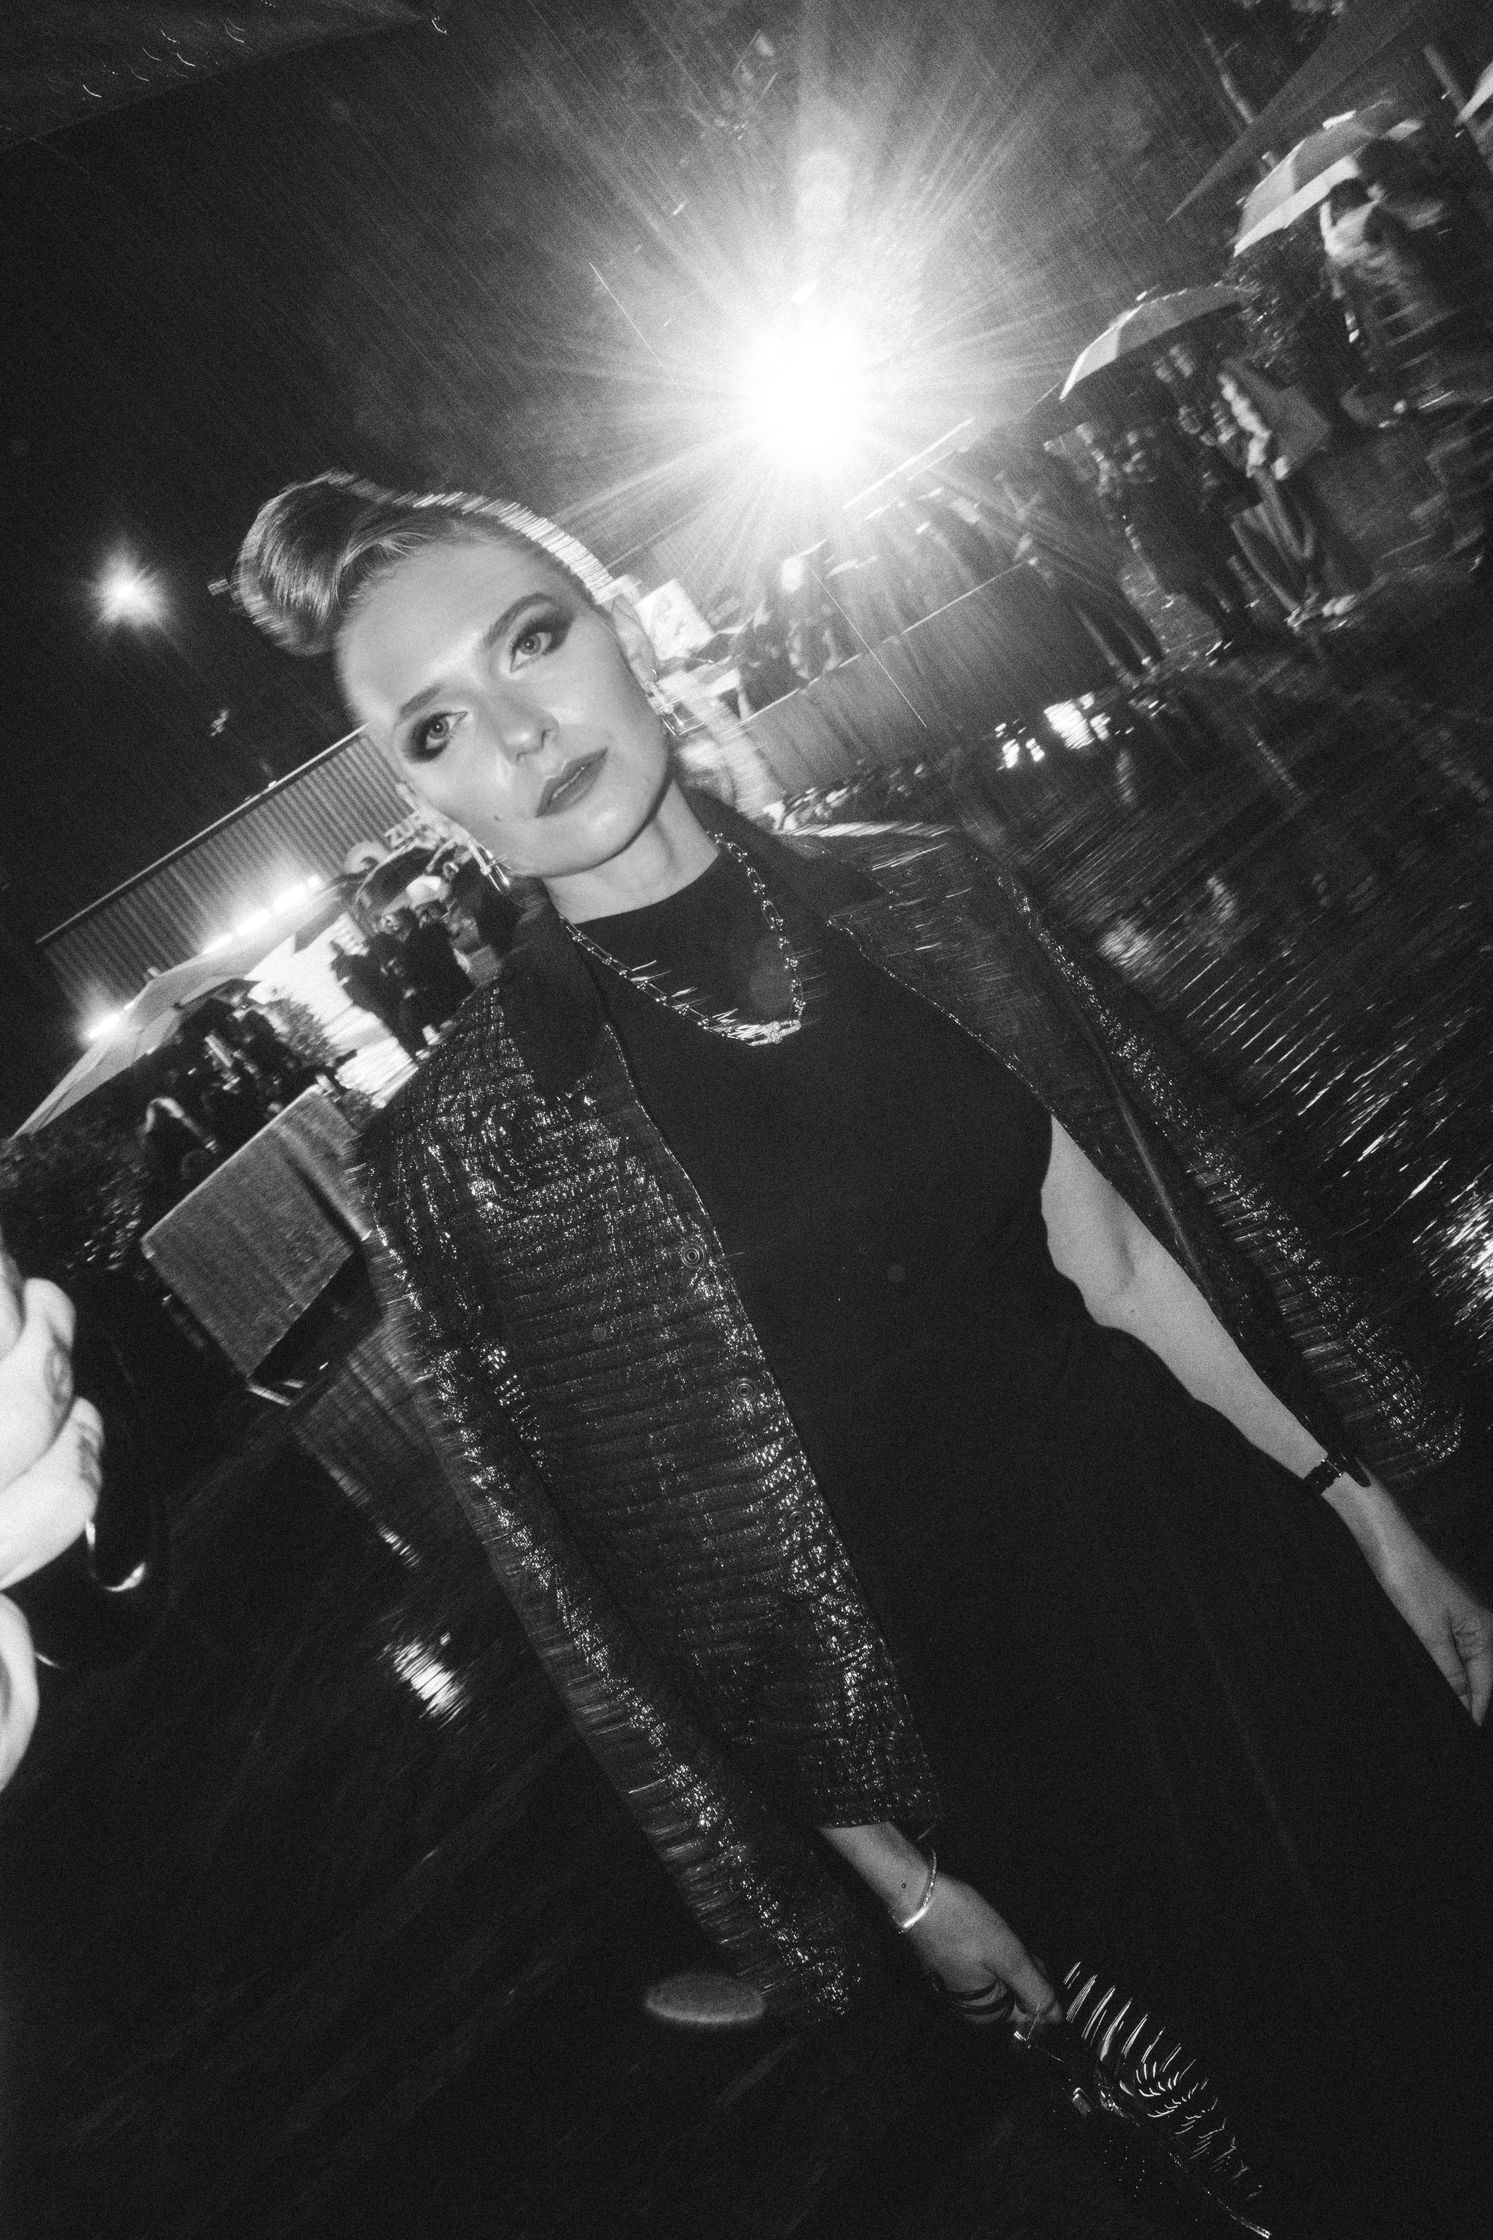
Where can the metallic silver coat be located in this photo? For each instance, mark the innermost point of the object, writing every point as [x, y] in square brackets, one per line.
[611, 1427]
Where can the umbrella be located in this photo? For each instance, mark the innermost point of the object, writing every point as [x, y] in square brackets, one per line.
[1355, 48]
[155, 1014]
[1305, 178]
[329, 907]
[1148, 322]
[388, 880]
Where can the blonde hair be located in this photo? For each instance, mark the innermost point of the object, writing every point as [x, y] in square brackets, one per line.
[318, 547]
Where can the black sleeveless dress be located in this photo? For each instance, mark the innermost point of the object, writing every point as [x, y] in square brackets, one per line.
[1179, 1731]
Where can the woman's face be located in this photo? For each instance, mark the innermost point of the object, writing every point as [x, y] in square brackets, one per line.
[510, 705]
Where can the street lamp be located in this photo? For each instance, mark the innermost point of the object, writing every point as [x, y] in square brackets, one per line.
[129, 594]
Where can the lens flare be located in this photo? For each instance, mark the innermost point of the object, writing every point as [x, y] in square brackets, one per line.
[806, 393]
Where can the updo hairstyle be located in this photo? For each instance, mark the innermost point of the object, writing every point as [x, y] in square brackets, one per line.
[316, 551]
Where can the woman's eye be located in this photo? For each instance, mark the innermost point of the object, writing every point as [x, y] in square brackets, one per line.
[538, 636]
[431, 735]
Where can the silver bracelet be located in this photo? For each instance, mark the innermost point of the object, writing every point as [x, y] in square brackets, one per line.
[924, 1902]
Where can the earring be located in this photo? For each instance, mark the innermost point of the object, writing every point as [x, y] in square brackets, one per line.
[675, 730]
[488, 864]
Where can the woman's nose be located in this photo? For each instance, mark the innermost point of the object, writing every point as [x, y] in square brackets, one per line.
[517, 726]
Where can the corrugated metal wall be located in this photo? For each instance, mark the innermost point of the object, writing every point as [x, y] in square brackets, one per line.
[305, 824]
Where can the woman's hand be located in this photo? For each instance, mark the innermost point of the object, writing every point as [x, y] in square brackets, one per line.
[968, 1950]
[1445, 1615]
[974, 1956]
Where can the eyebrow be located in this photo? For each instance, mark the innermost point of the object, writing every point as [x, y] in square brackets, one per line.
[490, 637]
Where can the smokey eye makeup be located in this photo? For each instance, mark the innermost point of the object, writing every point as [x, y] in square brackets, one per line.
[547, 624]
[541, 629]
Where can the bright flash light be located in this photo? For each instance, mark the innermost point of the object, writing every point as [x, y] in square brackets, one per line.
[805, 392]
[289, 898]
[252, 924]
[127, 594]
[100, 1027]
[218, 941]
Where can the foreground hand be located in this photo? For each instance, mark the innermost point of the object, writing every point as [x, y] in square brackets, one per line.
[50, 1447]
[973, 1955]
[36, 1370]
[1447, 1617]
[18, 1691]
[50, 1442]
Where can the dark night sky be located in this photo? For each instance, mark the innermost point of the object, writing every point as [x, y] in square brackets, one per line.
[164, 363]
[159, 379]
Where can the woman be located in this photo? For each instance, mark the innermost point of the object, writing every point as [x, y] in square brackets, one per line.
[853, 1452]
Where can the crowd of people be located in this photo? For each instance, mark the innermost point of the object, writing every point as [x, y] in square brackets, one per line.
[410, 973]
[1193, 458]
[229, 1068]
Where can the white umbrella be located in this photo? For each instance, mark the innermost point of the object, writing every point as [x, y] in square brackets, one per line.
[1148, 322]
[1304, 178]
[157, 1011]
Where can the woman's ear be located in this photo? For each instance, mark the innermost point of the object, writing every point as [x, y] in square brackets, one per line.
[634, 640]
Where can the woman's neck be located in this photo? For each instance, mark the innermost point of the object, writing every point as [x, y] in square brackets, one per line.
[672, 849]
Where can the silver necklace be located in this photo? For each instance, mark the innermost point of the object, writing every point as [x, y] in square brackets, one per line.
[727, 1023]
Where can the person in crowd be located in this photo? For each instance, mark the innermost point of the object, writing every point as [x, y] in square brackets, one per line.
[1450, 238]
[1168, 530]
[480, 920]
[436, 982]
[1289, 536]
[169, 1137]
[1379, 268]
[51, 1448]
[799, 1245]
[259, 1043]
[368, 981]
[1214, 467]
[764, 657]
[1223, 488]
[1066, 539]
[1429, 330]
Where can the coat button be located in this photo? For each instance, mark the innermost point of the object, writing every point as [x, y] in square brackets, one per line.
[692, 1253]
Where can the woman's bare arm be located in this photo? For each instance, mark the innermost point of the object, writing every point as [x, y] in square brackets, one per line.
[1130, 1282]
[961, 1940]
